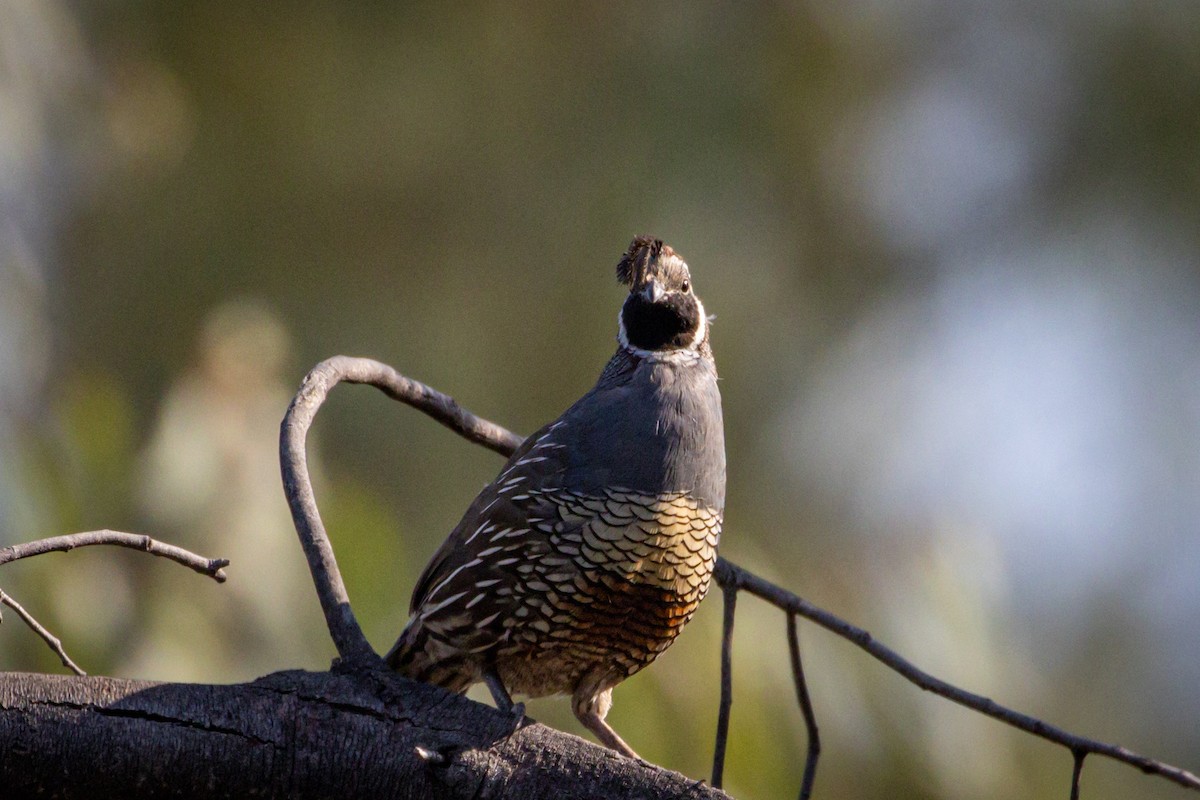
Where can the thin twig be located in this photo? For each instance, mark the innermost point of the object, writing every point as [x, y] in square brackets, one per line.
[806, 708]
[348, 637]
[729, 596]
[212, 567]
[1077, 772]
[729, 573]
[48, 637]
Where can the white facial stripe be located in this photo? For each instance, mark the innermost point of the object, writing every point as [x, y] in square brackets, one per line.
[702, 328]
[674, 260]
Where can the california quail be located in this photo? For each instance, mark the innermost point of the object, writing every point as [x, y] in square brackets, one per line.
[591, 549]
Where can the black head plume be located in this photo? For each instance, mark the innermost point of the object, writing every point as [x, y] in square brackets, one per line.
[643, 251]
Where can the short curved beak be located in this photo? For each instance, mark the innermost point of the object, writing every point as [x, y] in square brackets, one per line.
[653, 291]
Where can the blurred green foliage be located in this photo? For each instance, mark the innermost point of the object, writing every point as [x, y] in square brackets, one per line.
[447, 188]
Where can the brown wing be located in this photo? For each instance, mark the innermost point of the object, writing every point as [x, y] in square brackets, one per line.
[496, 520]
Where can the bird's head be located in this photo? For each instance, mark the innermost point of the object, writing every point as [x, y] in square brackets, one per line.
[662, 313]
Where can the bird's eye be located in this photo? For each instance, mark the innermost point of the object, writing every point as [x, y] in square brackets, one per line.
[686, 287]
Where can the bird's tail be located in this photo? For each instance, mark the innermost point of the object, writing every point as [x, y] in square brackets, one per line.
[423, 657]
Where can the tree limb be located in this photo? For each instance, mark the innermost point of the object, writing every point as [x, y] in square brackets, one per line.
[295, 735]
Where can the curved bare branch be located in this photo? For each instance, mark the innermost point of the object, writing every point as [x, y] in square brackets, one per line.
[212, 567]
[344, 629]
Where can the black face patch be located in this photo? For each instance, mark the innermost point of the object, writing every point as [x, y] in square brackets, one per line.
[669, 324]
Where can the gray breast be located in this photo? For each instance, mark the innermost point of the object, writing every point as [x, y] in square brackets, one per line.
[648, 425]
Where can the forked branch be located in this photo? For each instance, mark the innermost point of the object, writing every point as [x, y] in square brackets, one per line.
[353, 646]
[212, 567]
[731, 578]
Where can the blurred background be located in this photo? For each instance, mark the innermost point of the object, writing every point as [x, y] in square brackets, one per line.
[952, 248]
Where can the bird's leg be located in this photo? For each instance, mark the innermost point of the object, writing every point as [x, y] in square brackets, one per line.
[591, 709]
[607, 736]
[500, 695]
